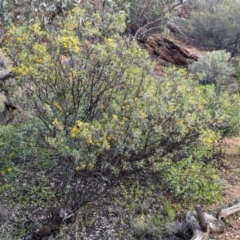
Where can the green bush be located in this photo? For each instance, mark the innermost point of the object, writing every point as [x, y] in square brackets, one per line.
[10, 148]
[193, 182]
[17, 143]
[215, 24]
[145, 17]
[104, 116]
[212, 66]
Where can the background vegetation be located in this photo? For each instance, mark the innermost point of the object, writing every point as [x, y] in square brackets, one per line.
[214, 24]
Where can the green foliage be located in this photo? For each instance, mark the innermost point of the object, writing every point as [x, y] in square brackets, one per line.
[169, 210]
[215, 24]
[131, 194]
[213, 66]
[28, 11]
[149, 16]
[10, 147]
[193, 182]
[103, 116]
[238, 75]
[135, 197]
[16, 144]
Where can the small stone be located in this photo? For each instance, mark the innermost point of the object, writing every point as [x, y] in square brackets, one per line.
[4, 213]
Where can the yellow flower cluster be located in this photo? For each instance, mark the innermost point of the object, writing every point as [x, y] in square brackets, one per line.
[40, 53]
[208, 136]
[84, 166]
[57, 124]
[70, 43]
[182, 71]
[20, 34]
[103, 142]
[214, 172]
[23, 70]
[9, 169]
[83, 130]
[19, 39]
[110, 42]
[36, 28]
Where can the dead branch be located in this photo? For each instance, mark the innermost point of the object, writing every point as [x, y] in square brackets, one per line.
[199, 235]
[147, 25]
[228, 211]
[202, 218]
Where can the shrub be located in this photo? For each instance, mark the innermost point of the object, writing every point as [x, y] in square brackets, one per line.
[17, 143]
[143, 226]
[212, 66]
[214, 24]
[193, 182]
[104, 116]
[145, 17]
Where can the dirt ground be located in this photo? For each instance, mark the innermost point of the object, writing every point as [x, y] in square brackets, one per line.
[230, 178]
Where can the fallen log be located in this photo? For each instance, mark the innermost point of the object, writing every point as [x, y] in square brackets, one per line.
[168, 50]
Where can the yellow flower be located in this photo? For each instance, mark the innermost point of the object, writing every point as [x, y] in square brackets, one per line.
[83, 166]
[79, 123]
[77, 168]
[57, 105]
[106, 145]
[69, 42]
[110, 40]
[19, 39]
[76, 49]
[90, 141]
[9, 169]
[182, 71]
[215, 176]
[55, 122]
[75, 131]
